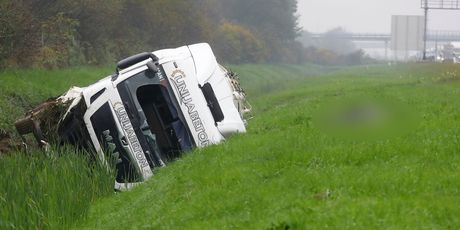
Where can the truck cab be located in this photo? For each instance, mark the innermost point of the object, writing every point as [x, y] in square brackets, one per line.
[155, 107]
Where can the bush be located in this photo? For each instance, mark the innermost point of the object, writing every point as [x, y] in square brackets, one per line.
[236, 44]
[47, 58]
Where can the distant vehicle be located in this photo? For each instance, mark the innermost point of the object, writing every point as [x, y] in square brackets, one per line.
[456, 55]
[156, 106]
[448, 53]
[431, 55]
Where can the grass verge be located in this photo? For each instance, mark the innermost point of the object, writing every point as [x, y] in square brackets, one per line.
[289, 172]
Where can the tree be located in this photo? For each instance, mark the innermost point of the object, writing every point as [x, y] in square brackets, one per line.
[275, 21]
[19, 32]
[57, 33]
[237, 44]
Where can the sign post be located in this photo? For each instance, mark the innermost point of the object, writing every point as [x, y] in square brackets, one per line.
[407, 34]
[436, 5]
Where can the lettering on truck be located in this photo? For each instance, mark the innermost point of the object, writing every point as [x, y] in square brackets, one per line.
[132, 138]
[178, 77]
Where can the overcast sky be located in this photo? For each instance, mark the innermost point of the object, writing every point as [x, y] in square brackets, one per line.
[373, 16]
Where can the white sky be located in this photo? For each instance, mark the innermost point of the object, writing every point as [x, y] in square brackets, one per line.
[368, 16]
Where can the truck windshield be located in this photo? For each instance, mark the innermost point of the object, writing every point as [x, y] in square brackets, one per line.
[163, 120]
[155, 117]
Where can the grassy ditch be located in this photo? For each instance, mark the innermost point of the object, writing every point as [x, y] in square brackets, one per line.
[55, 190]
[44, 190]
[295, 170]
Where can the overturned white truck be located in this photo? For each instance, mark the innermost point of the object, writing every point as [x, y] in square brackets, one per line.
[156, 106]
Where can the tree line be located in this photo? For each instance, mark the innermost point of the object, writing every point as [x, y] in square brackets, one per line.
[61, 33]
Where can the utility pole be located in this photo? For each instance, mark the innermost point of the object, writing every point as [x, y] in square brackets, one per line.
[425, 35]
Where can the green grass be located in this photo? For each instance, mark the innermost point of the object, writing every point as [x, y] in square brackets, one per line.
[292, 169]
[260, 80]
[54, 190]
[289, 172]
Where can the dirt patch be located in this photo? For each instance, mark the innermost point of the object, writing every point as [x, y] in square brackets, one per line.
[5, 142]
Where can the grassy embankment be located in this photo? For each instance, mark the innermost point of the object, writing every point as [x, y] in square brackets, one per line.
[54, 190]
[293, 169]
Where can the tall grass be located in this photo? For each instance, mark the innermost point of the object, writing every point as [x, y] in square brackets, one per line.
[41, 190]
[49, 191]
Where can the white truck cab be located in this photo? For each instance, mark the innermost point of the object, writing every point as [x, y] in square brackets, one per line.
[155, 107]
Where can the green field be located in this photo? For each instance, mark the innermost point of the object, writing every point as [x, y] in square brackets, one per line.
[345, 148]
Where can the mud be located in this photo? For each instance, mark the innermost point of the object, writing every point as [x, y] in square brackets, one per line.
[6, 143]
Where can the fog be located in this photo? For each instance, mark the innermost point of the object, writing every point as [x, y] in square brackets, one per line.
[368, 16]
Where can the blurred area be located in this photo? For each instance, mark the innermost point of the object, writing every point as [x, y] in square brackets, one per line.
[366, 119]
